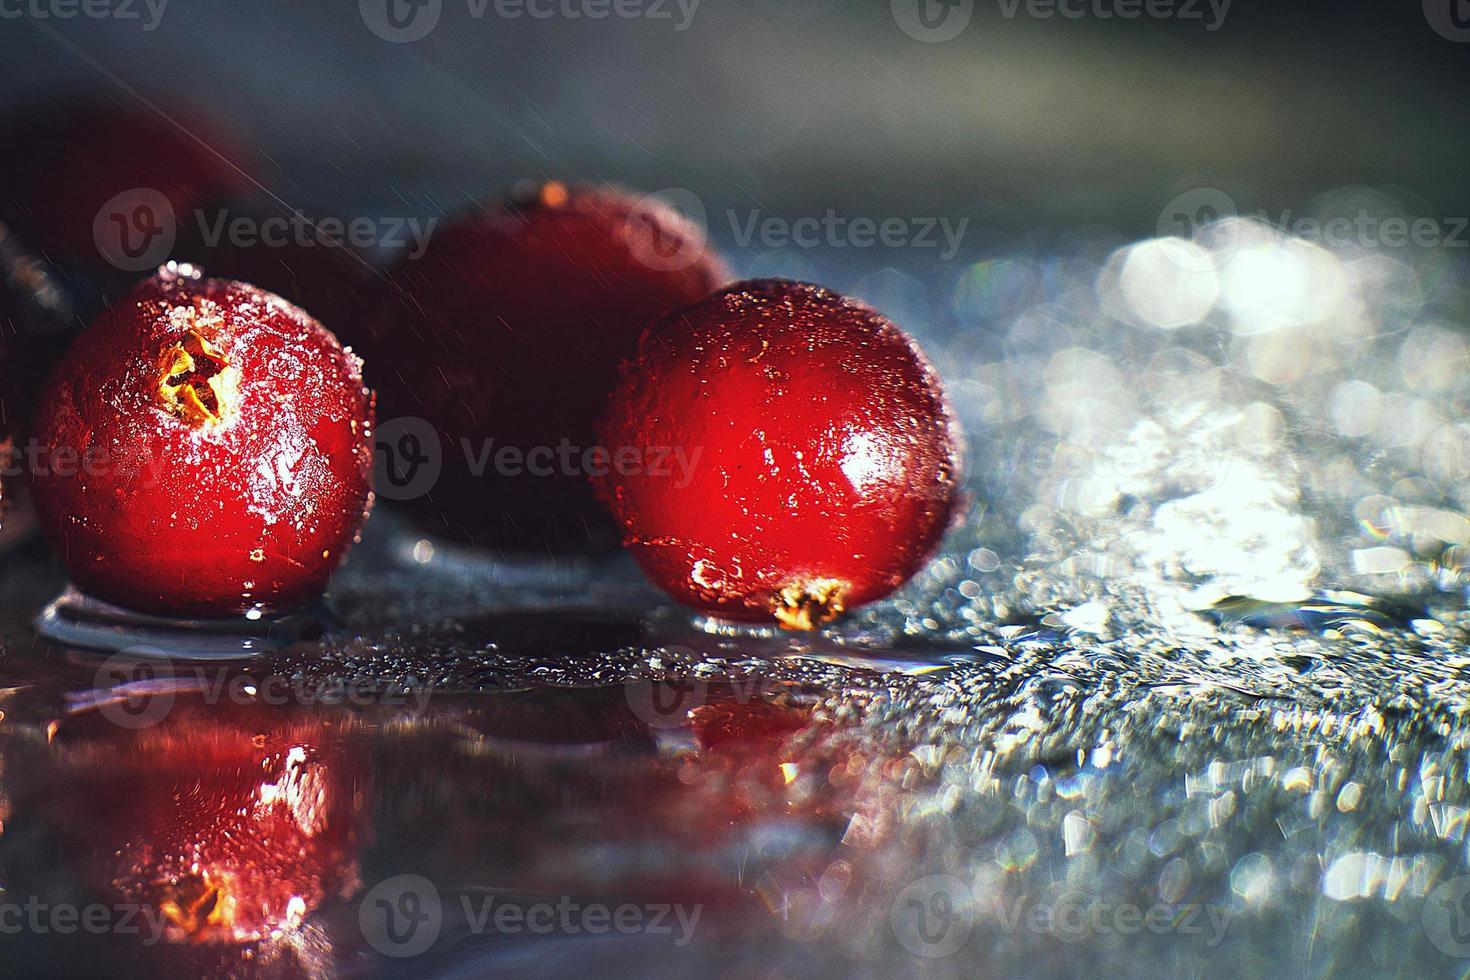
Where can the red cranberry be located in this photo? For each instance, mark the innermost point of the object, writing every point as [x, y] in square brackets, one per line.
[509, 335]
[209, 451]
[823, 458]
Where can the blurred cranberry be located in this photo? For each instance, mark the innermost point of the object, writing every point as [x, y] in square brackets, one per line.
[35, 327]
[291, 256]
[506, 336]
[754, 726]
[100, 182]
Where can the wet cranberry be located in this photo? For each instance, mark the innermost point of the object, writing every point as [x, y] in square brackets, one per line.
[209, 451]
[822, 458]
[80, 156]
[510, 331]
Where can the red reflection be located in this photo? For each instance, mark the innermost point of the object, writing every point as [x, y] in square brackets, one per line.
[573, 792]
[233, 822]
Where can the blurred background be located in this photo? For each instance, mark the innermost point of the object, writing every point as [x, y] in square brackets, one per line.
[1031, 126]
[1199, 643]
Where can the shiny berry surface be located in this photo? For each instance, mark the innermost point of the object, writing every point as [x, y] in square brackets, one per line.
[208, 451]
[508, 337]
[825, 460]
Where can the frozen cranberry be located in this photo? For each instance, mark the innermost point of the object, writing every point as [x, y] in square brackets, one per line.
[822, 458]
[509, 333]
[78, 157]
[209, 451]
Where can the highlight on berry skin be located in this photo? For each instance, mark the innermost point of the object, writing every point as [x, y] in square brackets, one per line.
[828, 459]
[227, 436]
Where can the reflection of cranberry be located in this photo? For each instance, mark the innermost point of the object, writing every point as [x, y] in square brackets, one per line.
[749, 726]
[574, 722]
[209, 451]
[568, 791]
[76, 157]
[826, 459]
[233, 822]
[510, 328]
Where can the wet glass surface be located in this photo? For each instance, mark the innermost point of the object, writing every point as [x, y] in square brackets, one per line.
[1188, 687]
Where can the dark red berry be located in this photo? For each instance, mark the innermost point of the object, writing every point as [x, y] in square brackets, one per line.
[824, 460]
[510, 331]
[209, 451]
[77, 157]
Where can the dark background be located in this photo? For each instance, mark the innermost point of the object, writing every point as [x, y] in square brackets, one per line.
[1033, 127]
